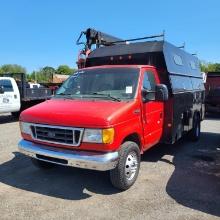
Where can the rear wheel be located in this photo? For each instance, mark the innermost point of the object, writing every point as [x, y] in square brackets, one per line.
[126, 172]
[42, 164]
[196, 130]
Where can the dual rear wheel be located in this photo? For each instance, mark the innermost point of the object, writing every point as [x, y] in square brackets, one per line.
[196, 130]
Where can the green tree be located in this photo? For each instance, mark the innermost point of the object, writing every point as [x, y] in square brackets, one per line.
[45, 74]
[203, 67]
[65, 70]
[210, 67]
[32, 76]
[12, 68]
[216, 67]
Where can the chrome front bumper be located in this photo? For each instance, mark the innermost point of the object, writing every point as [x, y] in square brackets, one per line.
[73, 158]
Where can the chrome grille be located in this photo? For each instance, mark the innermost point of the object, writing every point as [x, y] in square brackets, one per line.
[57, 134]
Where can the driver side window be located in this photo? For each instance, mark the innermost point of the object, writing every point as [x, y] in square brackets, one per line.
[149, 84]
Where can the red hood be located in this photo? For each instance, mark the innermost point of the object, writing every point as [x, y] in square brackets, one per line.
[79, 113]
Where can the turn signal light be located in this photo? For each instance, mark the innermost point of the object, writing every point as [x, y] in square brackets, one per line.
[108, 135]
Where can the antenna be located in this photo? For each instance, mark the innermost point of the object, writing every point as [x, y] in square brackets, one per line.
[163, 35]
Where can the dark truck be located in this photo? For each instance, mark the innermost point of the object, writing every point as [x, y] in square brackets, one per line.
[212, 87]
[124, 99]
[28, 96]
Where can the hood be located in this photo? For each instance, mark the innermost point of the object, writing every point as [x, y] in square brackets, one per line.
[79, 113]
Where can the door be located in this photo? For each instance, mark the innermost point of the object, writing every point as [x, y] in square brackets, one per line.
[10, 99]
[152, 110]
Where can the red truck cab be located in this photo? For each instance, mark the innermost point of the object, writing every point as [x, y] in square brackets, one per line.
[99, 123]
[104, 117]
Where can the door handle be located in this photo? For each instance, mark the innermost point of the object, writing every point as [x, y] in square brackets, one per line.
[161, 115]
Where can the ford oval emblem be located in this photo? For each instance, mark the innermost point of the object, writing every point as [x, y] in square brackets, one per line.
[51, 134]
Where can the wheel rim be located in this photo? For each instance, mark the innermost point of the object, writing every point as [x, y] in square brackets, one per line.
[131, 165]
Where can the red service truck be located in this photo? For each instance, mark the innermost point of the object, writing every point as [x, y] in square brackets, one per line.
[126, 97]
[212, 86]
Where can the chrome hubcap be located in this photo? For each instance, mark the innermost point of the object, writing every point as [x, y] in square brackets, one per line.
[131, 165]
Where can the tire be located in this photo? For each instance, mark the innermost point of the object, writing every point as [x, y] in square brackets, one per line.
[196, 130]
[42, 164]
[122, 177]
[15, 114]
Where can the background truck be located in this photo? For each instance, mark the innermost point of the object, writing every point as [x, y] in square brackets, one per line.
[16, 94]
[124, 99]
[212, 87]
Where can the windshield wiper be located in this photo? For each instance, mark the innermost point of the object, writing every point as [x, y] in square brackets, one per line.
[64, 95]
[107, 95]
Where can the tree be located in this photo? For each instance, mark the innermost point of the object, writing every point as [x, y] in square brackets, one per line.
[65, 70]
[210, 67]
[12, 68]
[32, 76]
[216, 67]
[45, 74]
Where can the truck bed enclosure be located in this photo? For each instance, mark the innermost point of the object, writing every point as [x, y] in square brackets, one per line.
[160, 54]
[179, 70]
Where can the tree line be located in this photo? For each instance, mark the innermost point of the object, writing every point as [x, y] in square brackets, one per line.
[44, 74]
[210, 67]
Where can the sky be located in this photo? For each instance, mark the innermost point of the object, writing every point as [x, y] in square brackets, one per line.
[38, 33]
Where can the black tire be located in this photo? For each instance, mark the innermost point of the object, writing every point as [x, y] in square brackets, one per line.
[15, 114]
[196, 130]
[42, 164]
[119, 175]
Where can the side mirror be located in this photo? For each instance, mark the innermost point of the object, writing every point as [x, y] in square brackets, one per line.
[161, 93]
[147, 95]
[2, 90]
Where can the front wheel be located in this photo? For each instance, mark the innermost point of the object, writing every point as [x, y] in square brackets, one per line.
[126, 172]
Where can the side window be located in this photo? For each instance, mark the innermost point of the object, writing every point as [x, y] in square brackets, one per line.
[6, 85]
[149, 84]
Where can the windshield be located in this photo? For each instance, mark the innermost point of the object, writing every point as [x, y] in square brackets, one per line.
[6, 85]
[110, 83]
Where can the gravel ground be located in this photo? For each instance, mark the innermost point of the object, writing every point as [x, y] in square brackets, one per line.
[175, 182]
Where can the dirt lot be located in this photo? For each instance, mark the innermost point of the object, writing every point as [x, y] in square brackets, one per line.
[175, 182]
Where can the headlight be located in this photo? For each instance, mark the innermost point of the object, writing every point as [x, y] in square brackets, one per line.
[105, 136]
[92, 135]
[25, 128]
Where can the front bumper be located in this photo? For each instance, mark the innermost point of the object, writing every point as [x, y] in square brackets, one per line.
[66, 157]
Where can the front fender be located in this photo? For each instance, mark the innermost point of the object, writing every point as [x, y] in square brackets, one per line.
[124, 129]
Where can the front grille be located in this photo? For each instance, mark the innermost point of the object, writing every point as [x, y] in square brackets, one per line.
[56, 134]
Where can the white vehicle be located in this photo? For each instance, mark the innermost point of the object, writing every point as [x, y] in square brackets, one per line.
[16, 94]
[34, 85]
[9, 95]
